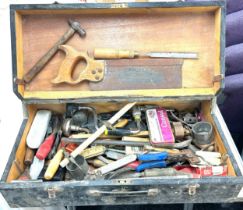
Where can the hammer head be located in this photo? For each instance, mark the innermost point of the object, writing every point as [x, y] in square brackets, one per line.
[77, 27]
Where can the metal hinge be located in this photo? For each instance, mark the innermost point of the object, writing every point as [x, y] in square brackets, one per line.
[192, 189]
[119, 5]
[218, 78]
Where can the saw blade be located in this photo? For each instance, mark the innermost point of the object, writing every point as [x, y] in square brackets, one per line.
[181, 55]
[135, 74]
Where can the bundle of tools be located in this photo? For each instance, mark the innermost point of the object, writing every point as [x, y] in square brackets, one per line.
[137, 141]
[145, 69]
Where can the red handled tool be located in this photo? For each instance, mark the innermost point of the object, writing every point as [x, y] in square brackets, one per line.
[46, 146]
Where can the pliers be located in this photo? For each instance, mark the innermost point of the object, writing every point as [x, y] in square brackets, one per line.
[150, 160]
[163, 159]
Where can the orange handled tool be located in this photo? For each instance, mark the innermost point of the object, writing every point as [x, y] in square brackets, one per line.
[109, 53]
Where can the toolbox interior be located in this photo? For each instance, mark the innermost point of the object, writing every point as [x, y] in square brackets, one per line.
[172, 29]
[186, 29]
[17, 166]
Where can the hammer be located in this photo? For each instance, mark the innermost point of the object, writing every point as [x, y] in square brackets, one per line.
[74, 27]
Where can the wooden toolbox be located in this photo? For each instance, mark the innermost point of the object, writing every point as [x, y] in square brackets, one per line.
[166, 27]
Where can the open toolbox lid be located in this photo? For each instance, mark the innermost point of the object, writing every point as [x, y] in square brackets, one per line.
[145, 27]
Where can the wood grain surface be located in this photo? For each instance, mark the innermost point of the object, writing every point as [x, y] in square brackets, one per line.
[147, 30]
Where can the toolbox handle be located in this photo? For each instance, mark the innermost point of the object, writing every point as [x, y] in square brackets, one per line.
[124, 193]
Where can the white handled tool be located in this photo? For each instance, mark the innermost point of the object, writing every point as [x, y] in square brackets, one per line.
[38, 129]
[97, 133]
[115, 165]
[36, 167]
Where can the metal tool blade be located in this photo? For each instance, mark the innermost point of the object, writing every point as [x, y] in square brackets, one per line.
[182, 55]
[145, 73]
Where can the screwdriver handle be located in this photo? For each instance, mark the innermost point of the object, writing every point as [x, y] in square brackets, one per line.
[29, 156]
[53, 165]
[109, 53]
[152, 164]
[45, 147]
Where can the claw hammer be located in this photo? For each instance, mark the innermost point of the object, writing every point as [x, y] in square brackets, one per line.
[74, 27]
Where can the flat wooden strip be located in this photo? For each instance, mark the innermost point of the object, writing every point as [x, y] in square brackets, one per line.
[126, 94]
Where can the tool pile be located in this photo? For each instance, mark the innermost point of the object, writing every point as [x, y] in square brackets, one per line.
[136, 141]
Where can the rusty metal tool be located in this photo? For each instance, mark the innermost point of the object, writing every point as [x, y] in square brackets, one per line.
[106, 142]
[179, 145]
[74, 27]
[98, 133]
[141, 73]
[110, 53]
[85, 136]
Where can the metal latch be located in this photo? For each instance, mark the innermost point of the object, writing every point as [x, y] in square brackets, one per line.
[192, 189]
[52, 192]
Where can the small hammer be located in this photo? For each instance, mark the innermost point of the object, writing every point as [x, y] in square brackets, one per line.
[74, 27]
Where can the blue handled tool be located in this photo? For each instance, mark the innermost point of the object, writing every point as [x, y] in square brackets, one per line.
[152, 164]
[156, 160]
[153, 157]
[161, 160]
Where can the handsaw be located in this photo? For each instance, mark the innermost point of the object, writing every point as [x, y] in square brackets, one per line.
[121, 74]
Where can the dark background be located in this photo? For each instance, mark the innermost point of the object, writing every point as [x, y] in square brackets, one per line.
[235, 206]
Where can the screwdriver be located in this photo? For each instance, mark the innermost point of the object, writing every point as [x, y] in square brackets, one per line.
[46, 146]
[53, 165]
[109, 53]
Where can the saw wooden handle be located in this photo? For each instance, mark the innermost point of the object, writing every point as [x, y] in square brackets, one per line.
[109, 53]
[94, 70]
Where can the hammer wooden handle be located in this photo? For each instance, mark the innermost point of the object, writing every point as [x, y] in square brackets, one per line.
[45, 58]
[109, 53]
[75, 27]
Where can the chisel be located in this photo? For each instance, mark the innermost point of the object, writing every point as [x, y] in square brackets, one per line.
[109, 53]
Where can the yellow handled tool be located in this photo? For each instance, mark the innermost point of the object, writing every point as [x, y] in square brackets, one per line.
[53, 165]
[109, 53]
